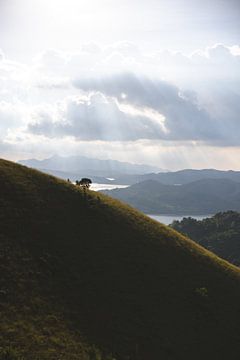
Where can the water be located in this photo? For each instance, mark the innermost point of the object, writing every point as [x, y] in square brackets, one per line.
[98, 187]
[165, 219]
[168, 219]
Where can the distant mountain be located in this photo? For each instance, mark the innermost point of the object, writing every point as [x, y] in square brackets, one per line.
[189, 175]
[219, 234]
[76, 176]
[180, 177]
[83, 165]
[86, 277]
[124, 173]
[206, 196]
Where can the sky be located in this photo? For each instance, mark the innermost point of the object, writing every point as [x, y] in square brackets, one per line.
[147, 81]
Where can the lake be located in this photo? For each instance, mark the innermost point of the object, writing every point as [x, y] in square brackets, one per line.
[165, 219]
[168, 219]
[98, 187]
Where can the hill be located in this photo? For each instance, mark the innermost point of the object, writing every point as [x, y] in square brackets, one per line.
[206, 196]
[179, 177]
[190, 175]
[220, 234]
[80, 270]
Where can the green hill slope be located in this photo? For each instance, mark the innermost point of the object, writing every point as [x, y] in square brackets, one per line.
[77, 271]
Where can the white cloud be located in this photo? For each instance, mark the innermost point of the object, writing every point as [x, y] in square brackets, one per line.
[197, 101]
[51, 61]
[184, 119]
[215, 62]
[97, 117]
[129, 107]
[12, 116]
[1, 55]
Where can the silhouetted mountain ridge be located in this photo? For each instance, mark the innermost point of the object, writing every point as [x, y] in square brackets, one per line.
[89, 166]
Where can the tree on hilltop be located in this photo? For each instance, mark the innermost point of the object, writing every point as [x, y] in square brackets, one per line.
[85, 183]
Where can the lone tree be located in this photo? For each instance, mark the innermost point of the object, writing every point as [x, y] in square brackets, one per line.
[85, 183]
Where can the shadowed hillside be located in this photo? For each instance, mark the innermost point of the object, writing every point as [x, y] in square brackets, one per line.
[80, 270]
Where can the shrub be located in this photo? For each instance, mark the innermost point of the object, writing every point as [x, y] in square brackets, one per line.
[202, 291]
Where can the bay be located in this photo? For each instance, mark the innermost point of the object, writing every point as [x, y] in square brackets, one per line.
[168, 219]
[164, 219]
[98, 187]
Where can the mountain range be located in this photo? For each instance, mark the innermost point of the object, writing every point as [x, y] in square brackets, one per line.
[179, 177]
[88, 167]
[122, 173]
[205, 196]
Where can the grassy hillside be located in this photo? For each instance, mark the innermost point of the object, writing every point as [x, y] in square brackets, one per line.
[77, 271]
[206, 196]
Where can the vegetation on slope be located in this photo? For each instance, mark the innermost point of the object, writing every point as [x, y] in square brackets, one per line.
[220, 233]
[79, 270]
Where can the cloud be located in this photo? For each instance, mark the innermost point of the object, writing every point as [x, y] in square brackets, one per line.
[52, 83]
[198, 70]
[51, 61]
[184, 120]
[125, 48]
[11, 117]
[58, 63]
[127, 107]
[1, 55]
[202, 66]
[216, 62]
[123, 100]
[96, 117]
